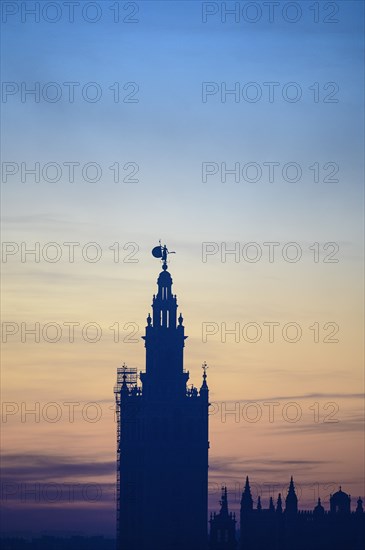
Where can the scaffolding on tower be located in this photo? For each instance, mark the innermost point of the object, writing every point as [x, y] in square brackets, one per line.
[129, 374]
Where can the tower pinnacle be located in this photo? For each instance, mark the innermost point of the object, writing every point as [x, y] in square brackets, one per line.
[246, 500]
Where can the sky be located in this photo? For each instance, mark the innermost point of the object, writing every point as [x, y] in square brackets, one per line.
[216, 133]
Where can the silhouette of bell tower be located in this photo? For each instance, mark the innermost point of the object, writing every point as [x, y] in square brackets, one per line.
[162, 433]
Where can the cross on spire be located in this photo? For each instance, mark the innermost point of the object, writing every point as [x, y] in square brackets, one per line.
[124, 368]
[205, 367]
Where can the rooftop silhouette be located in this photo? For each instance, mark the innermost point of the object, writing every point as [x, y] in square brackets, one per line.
[287, 528]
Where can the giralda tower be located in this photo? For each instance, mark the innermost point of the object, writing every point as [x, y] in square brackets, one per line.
[162, 454]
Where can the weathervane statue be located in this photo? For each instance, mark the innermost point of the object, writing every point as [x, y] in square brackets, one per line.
[161, 252]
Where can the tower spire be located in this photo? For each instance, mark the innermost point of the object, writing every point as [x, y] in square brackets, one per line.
[291, 501]
[224, 502]
[246, 500]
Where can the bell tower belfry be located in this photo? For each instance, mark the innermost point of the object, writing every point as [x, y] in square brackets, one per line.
[164, 340]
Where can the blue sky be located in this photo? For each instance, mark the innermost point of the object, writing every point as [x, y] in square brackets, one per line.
[169, 133]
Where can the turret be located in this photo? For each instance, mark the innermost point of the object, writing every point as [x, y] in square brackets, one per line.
[318, 511]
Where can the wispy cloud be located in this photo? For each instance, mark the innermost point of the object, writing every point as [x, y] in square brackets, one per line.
[32, 467]
[335, 395]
